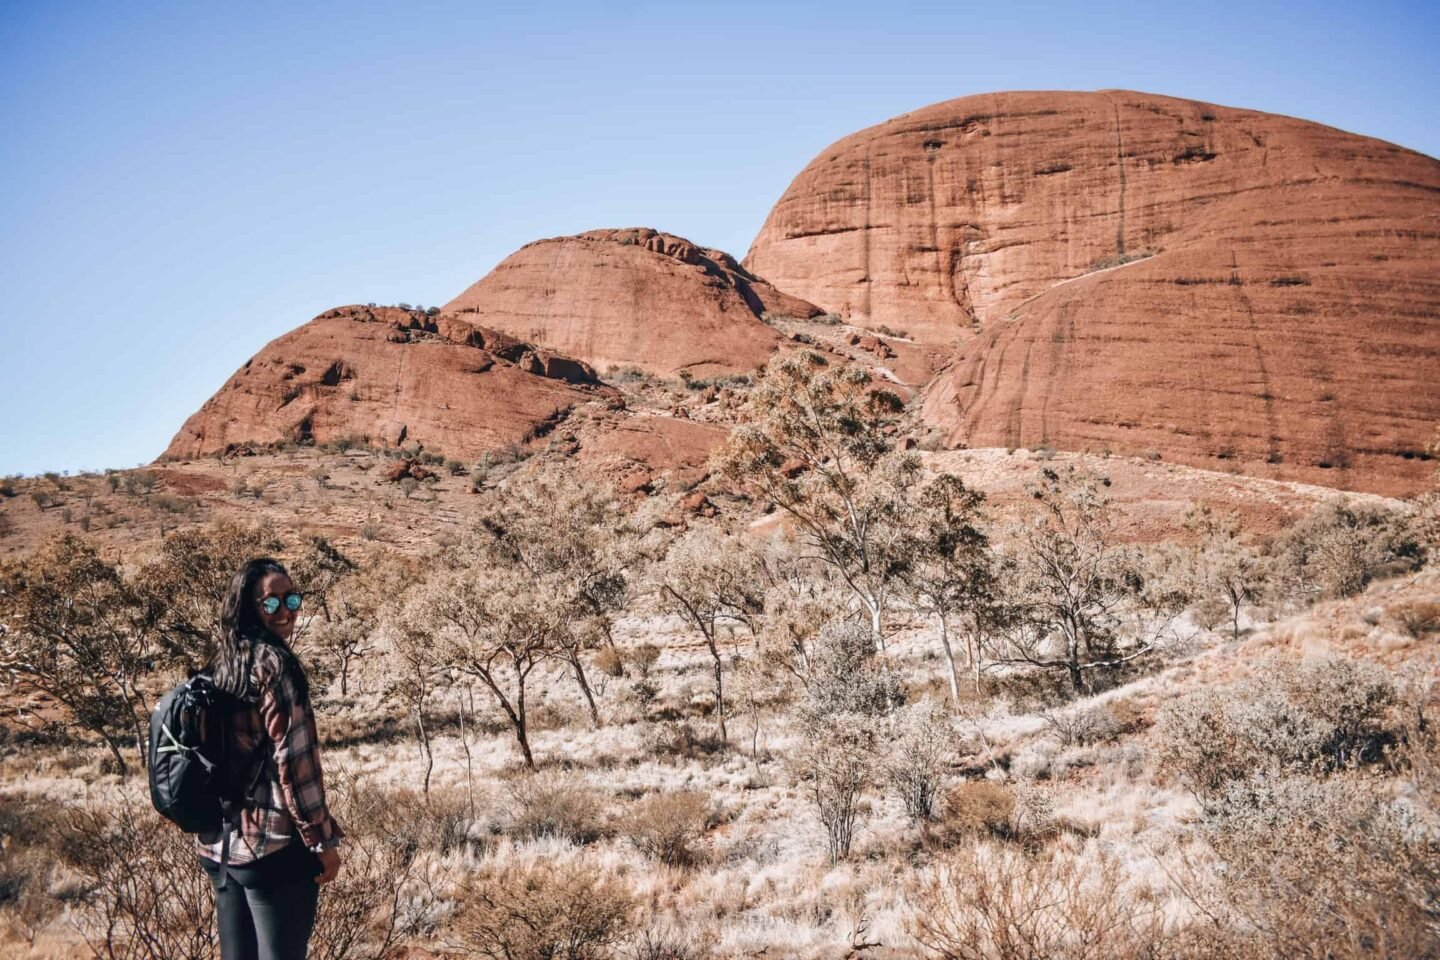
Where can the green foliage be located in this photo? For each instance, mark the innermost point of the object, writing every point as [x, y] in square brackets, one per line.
[74, 629]
[1339, 548]
[846, 676]
[819, 443]
[1314, 716]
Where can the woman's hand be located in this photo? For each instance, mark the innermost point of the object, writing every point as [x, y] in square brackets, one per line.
[330, 861]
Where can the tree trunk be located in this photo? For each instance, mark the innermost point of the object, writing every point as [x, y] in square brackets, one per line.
[1072, 662]
[972, 650]
[719, 688]
[876, 633]
[424, 744]
[465, 743]
[584, 683]
[120, 764]
[950, 659]
[522, 735]
[524, 741]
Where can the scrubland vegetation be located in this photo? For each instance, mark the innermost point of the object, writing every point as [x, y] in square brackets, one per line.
[854, 715]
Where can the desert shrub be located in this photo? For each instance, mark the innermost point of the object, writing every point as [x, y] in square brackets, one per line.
[920, 750]
[550, 715]
[1082, 725]
[381, 899]
[1351, 697]
[986, 901]
[1418, 618]
[1130, 716]
[552, 804]
[847, 677]
[680, 740]
[625, 373]
[666, 826]
[546, 911]
[1339, 548]
[976, 808]
[144, 896]
[1034, 761]
[609, 661]
[436, 822]
[643, 658]
[667, 942]
[1314, 715]
[1031, 691]
[835, 764]
[1325, 869]
[140, 482]
[28, 837]
[1213, 736]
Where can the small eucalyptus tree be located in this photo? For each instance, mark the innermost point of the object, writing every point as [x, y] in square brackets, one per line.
[710, 578]
[819, 442]
[1075, 583]
[952, 569]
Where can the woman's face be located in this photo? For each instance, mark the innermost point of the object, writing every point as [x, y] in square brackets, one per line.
[282, 621]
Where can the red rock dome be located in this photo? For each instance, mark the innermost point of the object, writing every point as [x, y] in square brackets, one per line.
[389, 375]
[1142, 274]
[633, 297]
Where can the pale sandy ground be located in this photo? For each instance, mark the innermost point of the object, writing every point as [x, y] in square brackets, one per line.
[764, 887]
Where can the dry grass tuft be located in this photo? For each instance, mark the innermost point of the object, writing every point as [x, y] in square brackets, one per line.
[667, 826]
[992, 902]
[545, 911]
[554, 804]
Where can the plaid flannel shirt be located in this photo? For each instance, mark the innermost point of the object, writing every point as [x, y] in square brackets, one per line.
[289, 794]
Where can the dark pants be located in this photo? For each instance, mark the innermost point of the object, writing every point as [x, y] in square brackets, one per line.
[267, 909]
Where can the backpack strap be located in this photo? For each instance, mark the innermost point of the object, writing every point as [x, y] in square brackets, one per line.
[230, 807]
[226, 825]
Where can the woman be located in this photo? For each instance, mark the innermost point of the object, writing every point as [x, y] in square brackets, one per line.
[285, 844]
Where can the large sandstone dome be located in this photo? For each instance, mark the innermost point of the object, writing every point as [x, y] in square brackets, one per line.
[633, 297]
[389, 375]
[1128, 272]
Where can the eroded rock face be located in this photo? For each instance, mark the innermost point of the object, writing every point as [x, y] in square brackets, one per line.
[390, 376]
[1148, 275]
[632, 298]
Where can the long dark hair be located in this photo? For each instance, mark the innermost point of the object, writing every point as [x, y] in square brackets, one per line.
[241, 632]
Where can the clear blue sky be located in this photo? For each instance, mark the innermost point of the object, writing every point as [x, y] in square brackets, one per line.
[181, 183]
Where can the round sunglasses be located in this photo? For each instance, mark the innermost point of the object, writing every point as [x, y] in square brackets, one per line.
[272, 604]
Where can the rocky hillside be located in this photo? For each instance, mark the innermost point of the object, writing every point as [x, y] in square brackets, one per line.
[1128, 272]
[389, 375]
[633, 298]
[1106, 272]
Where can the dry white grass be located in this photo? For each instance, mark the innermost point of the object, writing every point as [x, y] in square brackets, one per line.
[762, 883]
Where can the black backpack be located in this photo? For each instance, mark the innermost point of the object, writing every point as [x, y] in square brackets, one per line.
[194, 781]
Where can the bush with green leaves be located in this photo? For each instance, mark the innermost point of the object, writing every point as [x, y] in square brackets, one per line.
[847, 677]
[1316, 715]
[1339, 548]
